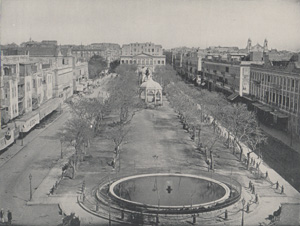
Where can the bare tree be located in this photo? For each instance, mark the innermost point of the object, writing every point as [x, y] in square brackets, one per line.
[76, 133]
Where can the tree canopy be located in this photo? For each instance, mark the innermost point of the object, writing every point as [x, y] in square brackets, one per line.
[96, 65]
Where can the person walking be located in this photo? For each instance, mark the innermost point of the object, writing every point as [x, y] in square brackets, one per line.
[9, 217]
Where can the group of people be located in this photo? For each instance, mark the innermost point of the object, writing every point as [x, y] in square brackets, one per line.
[2, 216]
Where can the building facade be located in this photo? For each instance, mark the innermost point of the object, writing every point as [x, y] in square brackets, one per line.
[33, 86]
[276, 89]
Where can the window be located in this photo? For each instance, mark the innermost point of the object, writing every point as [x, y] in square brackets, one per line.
[33, 83]
[162, 62]
[158, 62]
[293, 83]
[227, 70]
[152, 50]
[122, 61]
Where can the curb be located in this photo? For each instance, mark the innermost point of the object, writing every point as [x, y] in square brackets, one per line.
[98, 215]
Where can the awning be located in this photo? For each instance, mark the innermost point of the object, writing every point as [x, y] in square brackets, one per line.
[48, 107]
[232, 96]
[257, 105]
[279, 114]
[263, 107]
[28, 121]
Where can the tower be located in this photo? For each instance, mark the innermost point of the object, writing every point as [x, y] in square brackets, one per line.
[266, 45]
[249, 45]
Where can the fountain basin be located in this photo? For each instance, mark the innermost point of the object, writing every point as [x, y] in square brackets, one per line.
[169, 191]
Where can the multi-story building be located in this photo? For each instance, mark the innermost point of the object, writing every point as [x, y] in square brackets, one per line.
[144, 55]
[109, 51]
[275, 85]
[62, 65]
[149, 48]
[80, 75]
[232, 78]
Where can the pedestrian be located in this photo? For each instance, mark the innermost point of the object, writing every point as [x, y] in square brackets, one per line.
[282, 189]
[253, 189]
[250, 184]
[2, 215]
[277, 185]
[256, 198]
[267, 174]
[9, 217]
[226, 214]
[248, 207]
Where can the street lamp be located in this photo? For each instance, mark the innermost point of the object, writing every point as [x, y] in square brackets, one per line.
[243, 202]
[61, 149]
[30, 187]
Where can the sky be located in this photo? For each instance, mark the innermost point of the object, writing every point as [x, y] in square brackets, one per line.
[171, 23]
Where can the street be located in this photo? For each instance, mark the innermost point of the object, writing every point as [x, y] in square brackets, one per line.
[40, 152]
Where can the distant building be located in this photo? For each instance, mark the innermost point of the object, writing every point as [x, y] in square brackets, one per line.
[109, 51]
[146, 55]
[188, 63]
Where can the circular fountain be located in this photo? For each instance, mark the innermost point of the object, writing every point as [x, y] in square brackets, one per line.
[170, 193]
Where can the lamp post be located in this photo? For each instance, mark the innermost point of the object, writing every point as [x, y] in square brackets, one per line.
[30, 187]
[61, 149]
[22, 135]
[243, 202]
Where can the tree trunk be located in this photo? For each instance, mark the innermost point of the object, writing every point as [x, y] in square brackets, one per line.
[211, 160]
[228, 140]
[199, 137]
[248, 160]
[194, 133]
[241, 151]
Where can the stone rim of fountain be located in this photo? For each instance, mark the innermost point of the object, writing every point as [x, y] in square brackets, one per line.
[203, 205]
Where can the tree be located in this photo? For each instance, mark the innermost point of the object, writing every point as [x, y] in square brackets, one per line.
[165, 75]
[254, 140]
[95, 66]
[92, 110]
[116, 132]
[124, 93]
[113, 65]
[76, 132]
[243, 125]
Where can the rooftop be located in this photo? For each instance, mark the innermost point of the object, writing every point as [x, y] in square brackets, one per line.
[150, 84]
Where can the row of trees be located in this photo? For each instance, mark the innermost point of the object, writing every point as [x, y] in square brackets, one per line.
[92, 117]
[195, 106]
